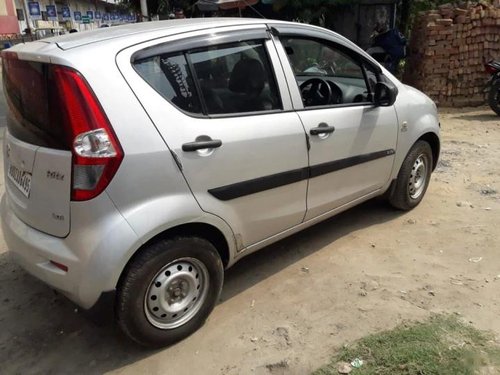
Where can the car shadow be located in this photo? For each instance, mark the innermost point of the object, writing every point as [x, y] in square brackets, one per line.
[489, 117]
[40, 329]
[266, 262]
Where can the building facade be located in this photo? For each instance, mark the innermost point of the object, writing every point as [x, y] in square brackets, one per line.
[27, 16]
[8, 18]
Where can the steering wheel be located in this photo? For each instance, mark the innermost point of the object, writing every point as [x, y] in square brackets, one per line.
[315, 91]
[337, 96]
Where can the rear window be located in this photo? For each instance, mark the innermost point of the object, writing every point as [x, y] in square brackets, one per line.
[229, 78]
[33, 113]
[170, 76]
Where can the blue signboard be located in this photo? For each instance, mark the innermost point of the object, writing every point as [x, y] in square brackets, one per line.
[90, 15]
[34, 9]
[97, 15]
[51, 12]
[105, 17]
[77, 16]
[66, 14]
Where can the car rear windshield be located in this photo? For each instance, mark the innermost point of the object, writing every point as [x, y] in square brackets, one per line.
[33, 111]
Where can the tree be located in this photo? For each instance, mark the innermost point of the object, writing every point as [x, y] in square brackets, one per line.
[160, 7]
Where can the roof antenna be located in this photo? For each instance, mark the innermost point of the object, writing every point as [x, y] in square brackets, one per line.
[255, 10]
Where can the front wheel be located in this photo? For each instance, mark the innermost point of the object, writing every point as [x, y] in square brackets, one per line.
[413, 177]
[168, 290]
[494, 98]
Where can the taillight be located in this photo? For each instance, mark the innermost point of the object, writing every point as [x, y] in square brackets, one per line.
[61, 266]
[97, 154]
[490, 69]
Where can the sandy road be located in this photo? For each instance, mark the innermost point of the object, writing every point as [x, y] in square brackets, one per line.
[285, 308]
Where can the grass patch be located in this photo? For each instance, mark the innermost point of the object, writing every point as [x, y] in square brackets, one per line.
[441, 345]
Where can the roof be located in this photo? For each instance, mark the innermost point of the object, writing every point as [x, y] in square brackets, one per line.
[168, 27]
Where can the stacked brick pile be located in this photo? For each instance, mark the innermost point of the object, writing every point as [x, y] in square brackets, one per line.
[448, 49]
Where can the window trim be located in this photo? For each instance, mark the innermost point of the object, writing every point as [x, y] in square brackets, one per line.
[334, 106]
[196, 82]
[279, 31]
[365, 73]
[195, 42]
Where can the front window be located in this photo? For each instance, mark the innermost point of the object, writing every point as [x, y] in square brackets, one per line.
[326, 75]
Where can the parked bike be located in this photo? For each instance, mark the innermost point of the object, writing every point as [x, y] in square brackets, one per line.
[388, 46]
[493, 85]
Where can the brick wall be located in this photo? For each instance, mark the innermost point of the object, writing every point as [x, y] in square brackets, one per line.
[448, 49]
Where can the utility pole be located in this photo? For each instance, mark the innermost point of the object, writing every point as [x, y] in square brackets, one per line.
[144, 10]
[27, 17]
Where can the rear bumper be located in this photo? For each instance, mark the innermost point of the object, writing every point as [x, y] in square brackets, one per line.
[94, 254]
[103, 311]
[33, 250]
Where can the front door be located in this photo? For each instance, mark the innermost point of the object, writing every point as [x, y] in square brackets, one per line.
[241, 147]
[352, 142]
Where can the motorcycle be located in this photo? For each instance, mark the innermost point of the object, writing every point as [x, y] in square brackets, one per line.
[493, 85]
[388, 46]
[380, 55]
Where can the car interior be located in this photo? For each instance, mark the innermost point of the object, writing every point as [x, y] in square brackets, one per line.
[238, 78]
[327, 76]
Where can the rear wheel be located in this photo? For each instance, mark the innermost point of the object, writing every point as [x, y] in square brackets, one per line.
[168, 290]
[413, 178]
[494, 98]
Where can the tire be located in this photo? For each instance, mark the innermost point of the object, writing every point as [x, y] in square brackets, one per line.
[494, 98]
[413, 178]
[168, 290]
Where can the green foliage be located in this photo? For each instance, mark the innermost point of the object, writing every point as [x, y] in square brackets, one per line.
[309, 11]
[442, 346]
[162, 7]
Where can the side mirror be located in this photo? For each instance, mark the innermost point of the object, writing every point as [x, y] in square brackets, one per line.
[385, 96]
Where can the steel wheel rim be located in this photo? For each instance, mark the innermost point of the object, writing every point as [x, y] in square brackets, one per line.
[418, 177]
[176, 293]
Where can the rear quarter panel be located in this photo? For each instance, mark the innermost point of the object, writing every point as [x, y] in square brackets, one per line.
[148, 189]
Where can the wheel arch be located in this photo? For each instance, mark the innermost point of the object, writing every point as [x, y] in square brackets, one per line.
[433, 140]
[198, 229]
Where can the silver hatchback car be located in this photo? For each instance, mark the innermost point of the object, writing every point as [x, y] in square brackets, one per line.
[140, 161]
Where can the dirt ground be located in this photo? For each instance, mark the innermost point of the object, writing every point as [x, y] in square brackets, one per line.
[285, 309]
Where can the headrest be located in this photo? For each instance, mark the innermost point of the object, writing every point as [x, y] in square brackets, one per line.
[247, 77]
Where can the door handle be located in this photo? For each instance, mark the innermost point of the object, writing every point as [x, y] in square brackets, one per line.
[200, 145]
[322, 128]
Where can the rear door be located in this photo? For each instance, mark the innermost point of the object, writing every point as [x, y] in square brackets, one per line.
[37, 164]
[229, 124]
[352, 141]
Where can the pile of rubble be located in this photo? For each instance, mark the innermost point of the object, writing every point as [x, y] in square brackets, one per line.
[448, 49]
